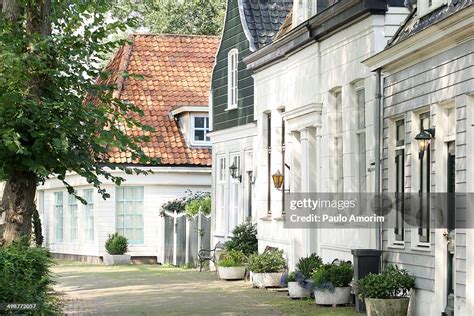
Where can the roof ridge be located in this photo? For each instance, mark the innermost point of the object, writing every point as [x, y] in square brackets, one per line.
[172, 34]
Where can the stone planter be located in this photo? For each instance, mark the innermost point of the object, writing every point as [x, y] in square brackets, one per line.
[387, 307]
[341, 295]
[295, 290]
[114, 260]
[263, 280]
[231, 273]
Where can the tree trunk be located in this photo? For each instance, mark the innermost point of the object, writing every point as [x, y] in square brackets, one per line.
[10, 9]
[18, 203]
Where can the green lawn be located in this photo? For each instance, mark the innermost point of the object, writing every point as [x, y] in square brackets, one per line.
[155, 290]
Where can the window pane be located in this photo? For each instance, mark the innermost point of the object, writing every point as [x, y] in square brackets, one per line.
[199, 135]
[128, 194]
[129, 233]
[137, 193]
[119, 194]
[361, 108]
[138, 206]
[138, 234]
[199, 122]
[128, 207]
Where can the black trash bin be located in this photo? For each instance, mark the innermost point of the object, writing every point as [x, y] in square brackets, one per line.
[365, 261]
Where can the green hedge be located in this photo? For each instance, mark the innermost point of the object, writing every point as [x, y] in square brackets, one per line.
[26, 278]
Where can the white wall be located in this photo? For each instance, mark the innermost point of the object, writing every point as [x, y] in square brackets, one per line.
[306, 80]
[165, 184]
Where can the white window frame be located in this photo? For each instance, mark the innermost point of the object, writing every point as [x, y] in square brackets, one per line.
[136, 212]
[59, 216]
[416, 244]
[232, 79]
[234, 193]
[206, 130]
[73, 218]
[392, 174]
[361, 135]
[89, 215]
[338, 140]
[221, 179]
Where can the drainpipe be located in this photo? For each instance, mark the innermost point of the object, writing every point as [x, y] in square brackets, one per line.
[378, 141]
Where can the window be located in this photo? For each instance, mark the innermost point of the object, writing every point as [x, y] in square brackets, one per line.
[360, 95]
[338, 141]
[232, 78]
[400, 181]
[89, 213]
[129, 211]
[425, 159]
[234, 203]
[200, 129]
[58, 211]
[269, 163]
[220, 200]
[73, 217]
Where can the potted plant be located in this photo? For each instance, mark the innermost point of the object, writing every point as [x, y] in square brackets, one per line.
[116, 247]
[331, 284]
[231, 265]
[299, 282]
[387, 293]
[267, 268]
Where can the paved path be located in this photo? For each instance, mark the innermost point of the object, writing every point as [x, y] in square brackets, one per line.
[155, 290]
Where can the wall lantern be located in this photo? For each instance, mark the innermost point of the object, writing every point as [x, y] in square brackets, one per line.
[278, 179]
[424, 138]
[234, 172]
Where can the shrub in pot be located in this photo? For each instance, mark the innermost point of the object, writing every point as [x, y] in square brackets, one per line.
[331, 284]
[387, 293]
[231, 265]
[116, 247]
[299, 282]
[267, 268]
[244, 239]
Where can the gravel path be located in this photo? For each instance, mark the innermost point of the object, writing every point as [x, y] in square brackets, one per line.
[154, 290]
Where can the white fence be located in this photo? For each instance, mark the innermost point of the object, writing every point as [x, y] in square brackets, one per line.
[185, 236]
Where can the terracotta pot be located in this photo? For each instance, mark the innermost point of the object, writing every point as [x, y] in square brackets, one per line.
[387, 307]
[231, 273]
[341, 295]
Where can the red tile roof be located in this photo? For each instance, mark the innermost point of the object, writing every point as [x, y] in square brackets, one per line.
[176, 71]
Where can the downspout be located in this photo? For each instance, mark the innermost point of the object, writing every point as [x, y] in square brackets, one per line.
[378, 141]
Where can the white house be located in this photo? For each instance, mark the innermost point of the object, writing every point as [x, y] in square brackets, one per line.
[174, 98]
[314, 107]
[428, 87]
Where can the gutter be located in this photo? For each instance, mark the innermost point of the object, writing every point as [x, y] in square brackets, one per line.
[377, 150]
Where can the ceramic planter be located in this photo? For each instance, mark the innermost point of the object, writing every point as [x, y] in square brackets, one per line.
[387, 307]
[114, 260]
[263, 280]
[295, 290]
[340, 296]
[231, 273]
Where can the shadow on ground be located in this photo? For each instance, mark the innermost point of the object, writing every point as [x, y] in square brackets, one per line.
[155, 290]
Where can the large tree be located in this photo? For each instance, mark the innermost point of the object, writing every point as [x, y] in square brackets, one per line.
[55, 115]
[199, 17]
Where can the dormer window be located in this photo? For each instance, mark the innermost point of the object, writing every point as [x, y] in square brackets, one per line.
[200, 130]
[232, 79]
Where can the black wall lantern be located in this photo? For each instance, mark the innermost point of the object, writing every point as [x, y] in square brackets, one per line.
[424, 138]
[234, 172]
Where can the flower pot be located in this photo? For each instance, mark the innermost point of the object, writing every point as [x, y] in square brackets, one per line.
[341, 295]
[387, 307]
[263, 280]
[295, 290]
[114, 260]
[231, 273]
